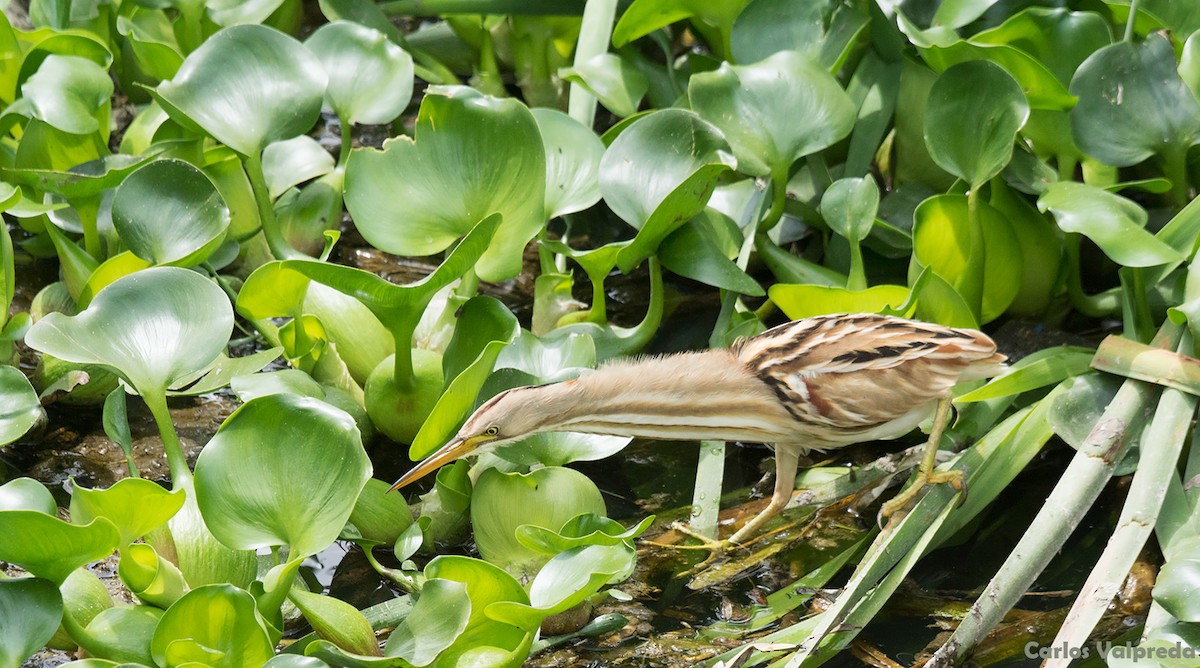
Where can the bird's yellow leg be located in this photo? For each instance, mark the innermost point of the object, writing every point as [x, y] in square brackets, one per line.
[925, 473]
[787, 460]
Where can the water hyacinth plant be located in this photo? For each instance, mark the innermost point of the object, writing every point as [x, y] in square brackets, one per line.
[334, 230]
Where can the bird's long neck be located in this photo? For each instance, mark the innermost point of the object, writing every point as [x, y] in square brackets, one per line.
[691, 396]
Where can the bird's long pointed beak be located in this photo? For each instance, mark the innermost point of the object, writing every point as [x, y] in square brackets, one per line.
[449, 452]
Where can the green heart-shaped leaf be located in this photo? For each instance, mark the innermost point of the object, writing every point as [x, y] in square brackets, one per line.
[818, 31]
[486, 584]
[151, 37]
[168, 212]
[804, 301]
[338, 622]
[580, 531]
[380, 516]
[756, 107]
[153, 328]
[611, 79]
[67, 91]
[282, 470]
[645, 16]
[472, 156]
[212, 623]
[30, 610]
[293, 161]
[134, 505]
[1115, 224]
[655, 156]
[691, 251]
[370, 77]
[573, 155]
[51, 548]
[849, 206]
[27, 494]
[20, 409]
[975, 110]
[247, 86]
[436, 621]
[85, 179]
[124, 632]
[565, 581]
[1132, 103]
[1056, 37]
[1177, 587]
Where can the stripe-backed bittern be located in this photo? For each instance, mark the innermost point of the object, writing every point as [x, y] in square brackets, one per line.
[810, 384]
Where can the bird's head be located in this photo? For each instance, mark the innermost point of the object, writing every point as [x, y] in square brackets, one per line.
[504, 418]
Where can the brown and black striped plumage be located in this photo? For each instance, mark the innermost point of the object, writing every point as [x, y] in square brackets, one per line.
[850, 378]
[815, 383]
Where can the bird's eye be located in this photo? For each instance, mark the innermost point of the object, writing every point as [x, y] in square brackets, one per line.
[492, 431]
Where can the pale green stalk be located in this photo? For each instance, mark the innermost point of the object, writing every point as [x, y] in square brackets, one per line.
[594, 36]
[1177, 526]
[1159, 455]
[181, 475]
[1129, 23]
[1075, 493]
[706, 497]
[280, 248]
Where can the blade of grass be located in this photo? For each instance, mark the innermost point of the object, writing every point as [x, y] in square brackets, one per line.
[1156, 465]
[1071, 498]
[787, 599]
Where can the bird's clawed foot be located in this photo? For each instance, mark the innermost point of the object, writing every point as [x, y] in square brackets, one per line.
[715, 548]
[954, 478]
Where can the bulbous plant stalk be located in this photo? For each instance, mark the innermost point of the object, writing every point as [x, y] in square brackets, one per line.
[279, 246]
[181, 475]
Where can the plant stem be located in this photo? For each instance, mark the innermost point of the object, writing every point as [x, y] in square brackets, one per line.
[1159, 456]
[1135, 310]
[266, 212]
[88, 209]
[598, 313]
[972, 290]
[403, 375]
[706, 497]
[594, 34]
[779, 179]
[1133, 10]
[347, 141]
[1093, 306]
[858, 273]
[1175, 158]
[1075, 493]
[156, 401]
[82, 637]
[396, 575]
[1066, 167]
